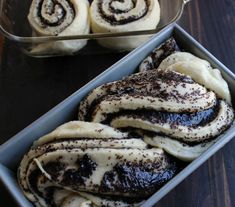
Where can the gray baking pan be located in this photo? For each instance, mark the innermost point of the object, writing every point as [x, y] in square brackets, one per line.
[12, 151]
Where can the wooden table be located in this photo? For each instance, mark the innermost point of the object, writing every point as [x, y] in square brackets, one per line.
[29, 87]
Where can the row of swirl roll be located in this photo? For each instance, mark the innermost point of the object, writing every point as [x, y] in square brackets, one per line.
[78, 17]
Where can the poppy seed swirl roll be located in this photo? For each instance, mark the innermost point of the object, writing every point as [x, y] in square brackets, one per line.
[186, 105]
[59, 18]
[122, 16]
[91, 164]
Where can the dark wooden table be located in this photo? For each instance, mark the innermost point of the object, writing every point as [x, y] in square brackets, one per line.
[29, 87]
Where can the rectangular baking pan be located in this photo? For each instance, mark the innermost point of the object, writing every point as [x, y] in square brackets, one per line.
[12, 151]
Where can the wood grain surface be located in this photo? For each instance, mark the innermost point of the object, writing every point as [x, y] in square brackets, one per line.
[29, 87]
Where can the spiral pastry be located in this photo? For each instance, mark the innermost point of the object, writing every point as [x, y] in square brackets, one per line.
[90, 164]
[59, 18]
[187, 64]
[122, 16]
[181, 112]
[159, 54]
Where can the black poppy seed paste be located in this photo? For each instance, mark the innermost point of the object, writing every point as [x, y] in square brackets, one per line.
[33, 181]
[51, 8]
[113, 21]
[76, 177]
[86, 166]
[52, 168]
[200, 118]
[168, 48]
[159, 54]
[138, 180]
[126, 86]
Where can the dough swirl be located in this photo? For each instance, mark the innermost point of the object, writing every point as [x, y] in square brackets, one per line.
[59, 18]
[174, 105]
[88, 164]
[122, 16]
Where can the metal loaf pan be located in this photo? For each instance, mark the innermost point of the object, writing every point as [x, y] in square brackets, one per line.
[12, 151]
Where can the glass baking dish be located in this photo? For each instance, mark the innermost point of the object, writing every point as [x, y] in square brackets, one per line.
[15, 26]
